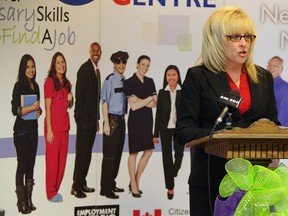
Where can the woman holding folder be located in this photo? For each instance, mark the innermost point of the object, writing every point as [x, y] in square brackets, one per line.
[25, 131]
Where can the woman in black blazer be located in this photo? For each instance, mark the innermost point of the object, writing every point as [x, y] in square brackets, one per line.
[25, 131]
[225, 64]
[165, 122]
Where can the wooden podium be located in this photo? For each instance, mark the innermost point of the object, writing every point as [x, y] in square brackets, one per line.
[261, 141]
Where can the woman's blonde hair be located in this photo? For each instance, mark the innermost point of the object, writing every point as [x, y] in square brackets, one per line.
[225, 21]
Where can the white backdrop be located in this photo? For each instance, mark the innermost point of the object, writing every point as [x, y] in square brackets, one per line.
[169, 34]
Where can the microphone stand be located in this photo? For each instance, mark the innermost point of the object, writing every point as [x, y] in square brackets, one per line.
[229, 121]
[228, 127]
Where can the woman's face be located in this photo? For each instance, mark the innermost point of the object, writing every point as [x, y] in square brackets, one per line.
[30, 69]
[172, 77]
[143, 66]
[237, 52]
[60, 65]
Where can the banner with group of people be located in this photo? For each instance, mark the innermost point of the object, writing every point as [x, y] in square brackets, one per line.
[122, 39]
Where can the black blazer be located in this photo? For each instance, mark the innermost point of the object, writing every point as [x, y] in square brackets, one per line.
[87, 94]
[22, 88]
[199, 108]
[163, 110]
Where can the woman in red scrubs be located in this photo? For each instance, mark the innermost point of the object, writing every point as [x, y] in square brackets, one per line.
[58, 98]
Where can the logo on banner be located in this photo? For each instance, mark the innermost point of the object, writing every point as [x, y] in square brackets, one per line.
[76, 2]
[157, 212]
[109, 210]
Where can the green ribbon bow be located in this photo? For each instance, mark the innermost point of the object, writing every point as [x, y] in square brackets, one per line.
[266, 190]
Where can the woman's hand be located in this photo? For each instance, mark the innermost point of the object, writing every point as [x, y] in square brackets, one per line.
[38, 113]
[36, 105]
[70, 97]
[50, 137]
[70, 100]
[134, 98]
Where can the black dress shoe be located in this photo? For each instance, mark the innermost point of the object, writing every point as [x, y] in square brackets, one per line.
[170, 196]
[86, 189]
[78, 194]
[110, 195]
[118, 190]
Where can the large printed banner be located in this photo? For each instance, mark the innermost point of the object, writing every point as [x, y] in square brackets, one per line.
[169, 31]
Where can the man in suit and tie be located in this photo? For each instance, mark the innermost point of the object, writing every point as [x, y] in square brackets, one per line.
[88, 87]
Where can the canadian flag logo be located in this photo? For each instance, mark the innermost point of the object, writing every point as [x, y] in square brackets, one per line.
[157, 212]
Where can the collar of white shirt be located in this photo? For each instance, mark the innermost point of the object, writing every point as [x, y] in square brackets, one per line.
[167, 88]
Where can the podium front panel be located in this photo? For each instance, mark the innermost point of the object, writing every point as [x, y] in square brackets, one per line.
[249, 149]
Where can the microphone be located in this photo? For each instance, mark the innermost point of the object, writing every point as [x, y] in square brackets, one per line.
[230, 100]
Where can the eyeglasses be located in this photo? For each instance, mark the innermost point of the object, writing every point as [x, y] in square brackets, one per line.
[236, 38]
[118, 61]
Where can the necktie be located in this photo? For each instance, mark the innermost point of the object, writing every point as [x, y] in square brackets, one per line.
[97, 72]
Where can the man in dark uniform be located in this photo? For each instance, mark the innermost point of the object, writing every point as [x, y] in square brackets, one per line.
[113, 111]
[88, 87]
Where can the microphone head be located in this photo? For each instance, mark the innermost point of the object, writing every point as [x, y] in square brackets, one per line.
[231, 99]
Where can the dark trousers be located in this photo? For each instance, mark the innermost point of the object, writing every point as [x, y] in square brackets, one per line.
[199, 201]
[26, 143]
[171, 167]
[112, 153]
[85, 138]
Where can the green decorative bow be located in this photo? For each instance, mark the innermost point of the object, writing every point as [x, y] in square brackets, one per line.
[266, 190]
